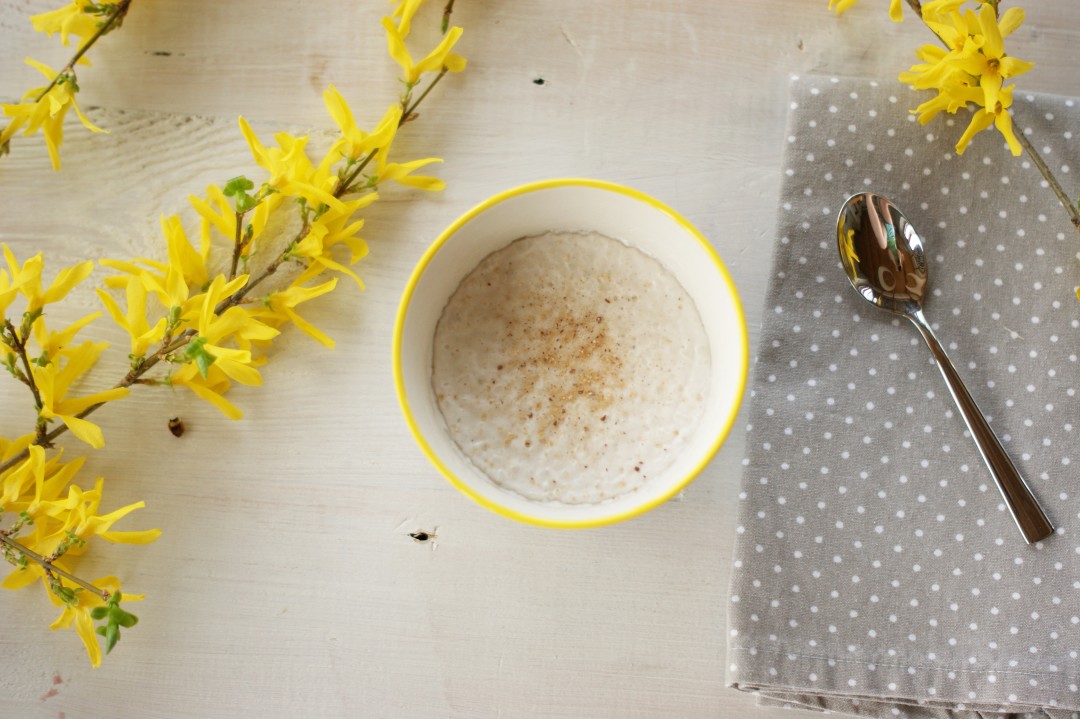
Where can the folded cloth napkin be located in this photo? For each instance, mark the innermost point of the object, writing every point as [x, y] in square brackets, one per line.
[876, 570]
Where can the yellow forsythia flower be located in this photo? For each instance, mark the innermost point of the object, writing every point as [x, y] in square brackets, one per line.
[434, 61]
[63, 516]
[991, 65]
[56, 344]
[959, 31]
[238, 325]
[402, 173]
[896, 10]
[291, 171]
[47, 113]
[354, 143]
[935, 72]
[184, 292]
[211, 388]
[971, 70]
[58, 364]
[169, 282]
[133, 321]
[996, 116]
[952, 95]
[328, 231]
[27, 277]
[28, 283]
[8, 292]
[280, 307]
[54, 382]
[182, 255]
[404, 13]
[72, 19]
[935, 9]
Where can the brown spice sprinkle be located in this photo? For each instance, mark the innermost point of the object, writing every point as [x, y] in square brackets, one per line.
[566, 349]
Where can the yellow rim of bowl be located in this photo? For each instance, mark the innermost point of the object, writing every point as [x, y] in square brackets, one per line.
[399, 380]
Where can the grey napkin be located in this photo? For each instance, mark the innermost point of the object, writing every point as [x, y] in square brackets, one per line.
[876, 570]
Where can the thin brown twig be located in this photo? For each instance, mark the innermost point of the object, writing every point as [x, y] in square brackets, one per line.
[20, 350]
[19, 345]
[407, 115]
[1051, 179]
[446, 15]
[238, 244]
[269, 270]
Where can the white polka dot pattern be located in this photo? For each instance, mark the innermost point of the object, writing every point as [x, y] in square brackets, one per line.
[877, 571]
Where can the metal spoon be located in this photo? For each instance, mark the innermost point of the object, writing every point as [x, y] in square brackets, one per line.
[883, 257]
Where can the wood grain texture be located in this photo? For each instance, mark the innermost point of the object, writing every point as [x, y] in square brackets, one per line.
[286, 582]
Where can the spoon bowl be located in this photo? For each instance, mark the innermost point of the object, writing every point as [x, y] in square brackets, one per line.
[882, 255]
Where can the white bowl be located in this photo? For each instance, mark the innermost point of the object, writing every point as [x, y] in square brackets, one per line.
[573, 205]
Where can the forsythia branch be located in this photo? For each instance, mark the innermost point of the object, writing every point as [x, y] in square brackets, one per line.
[343, 187]
[169, 346]
[51, 568]
[205, 325]
[132, 377]
[956, 72]
[19, 345]
[1032, 152]
[46, 111]
[111, 21]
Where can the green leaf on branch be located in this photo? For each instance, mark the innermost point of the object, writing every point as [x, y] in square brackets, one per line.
[237, 188]
[114, 617]
[111, 634]
[196, 352]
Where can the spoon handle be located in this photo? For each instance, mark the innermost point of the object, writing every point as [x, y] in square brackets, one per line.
[1023, 506]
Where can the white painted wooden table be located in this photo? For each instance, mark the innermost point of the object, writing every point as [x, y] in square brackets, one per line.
[286, 582]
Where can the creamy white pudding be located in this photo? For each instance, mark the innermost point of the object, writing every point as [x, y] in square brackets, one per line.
[570, 367]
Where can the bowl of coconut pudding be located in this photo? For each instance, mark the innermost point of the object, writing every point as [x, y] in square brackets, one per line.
[570, 353]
